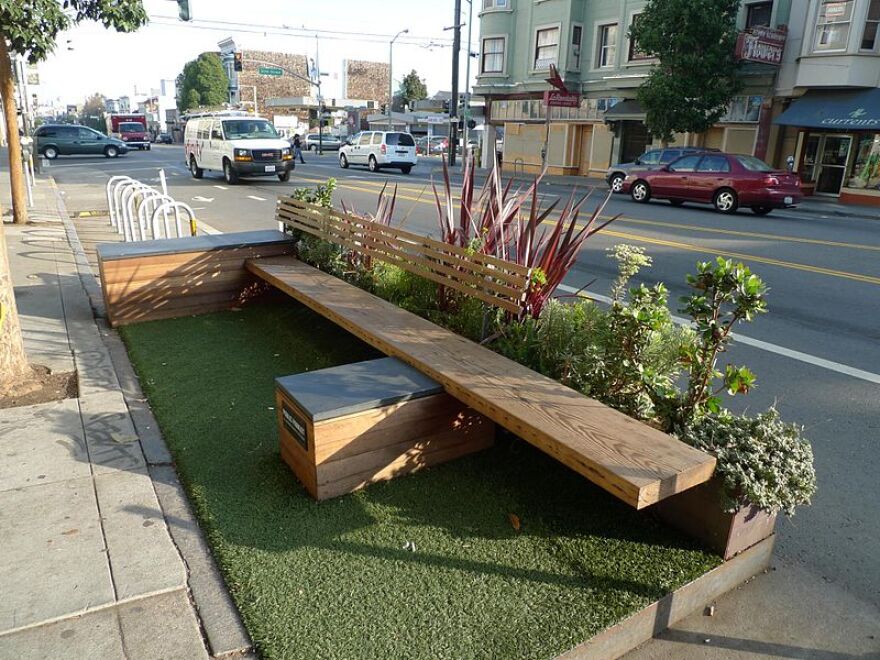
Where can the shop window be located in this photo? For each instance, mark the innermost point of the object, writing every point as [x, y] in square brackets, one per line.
[577, 36]
[869, 36]
[758, 14]
[866, 166]
[493, 55]
[546, 48]
[607, 52]
[634, 52]
[743, 109]
[832, 25]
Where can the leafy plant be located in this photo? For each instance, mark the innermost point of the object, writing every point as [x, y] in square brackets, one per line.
[322, 194]
[762, 460]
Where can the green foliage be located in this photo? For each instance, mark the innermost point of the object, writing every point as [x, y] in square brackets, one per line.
[412, 88]
[31, 27]
[92, 114]
[203, 83]
[322, 194]
[694, 40]
[762, 460]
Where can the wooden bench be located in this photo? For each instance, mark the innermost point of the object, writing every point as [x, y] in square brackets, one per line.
[637, 463]
[150, 280]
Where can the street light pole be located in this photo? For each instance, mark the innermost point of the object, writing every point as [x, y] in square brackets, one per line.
[467, 86]
[453, 104]
[391, 77]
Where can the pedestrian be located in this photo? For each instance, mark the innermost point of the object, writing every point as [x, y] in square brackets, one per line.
[297, 149]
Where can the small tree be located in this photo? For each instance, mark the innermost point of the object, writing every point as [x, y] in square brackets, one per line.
[31, 28]
[92, 114]
[412, 88]
[695, 79]
[203, 83]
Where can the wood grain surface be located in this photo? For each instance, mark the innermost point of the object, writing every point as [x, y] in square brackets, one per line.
[637, 463]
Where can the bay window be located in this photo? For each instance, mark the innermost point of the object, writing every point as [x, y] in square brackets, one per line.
[832, 25]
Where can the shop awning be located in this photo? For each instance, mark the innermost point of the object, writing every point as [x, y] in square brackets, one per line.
[848, 110]
[628, 110]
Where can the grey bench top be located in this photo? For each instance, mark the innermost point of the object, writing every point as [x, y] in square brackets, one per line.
[351, 388]
[241, 239]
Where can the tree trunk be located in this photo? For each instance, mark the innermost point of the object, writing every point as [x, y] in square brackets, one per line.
[16, 173]
[14, 370]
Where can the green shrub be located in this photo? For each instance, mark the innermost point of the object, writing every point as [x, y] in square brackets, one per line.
[762, 460]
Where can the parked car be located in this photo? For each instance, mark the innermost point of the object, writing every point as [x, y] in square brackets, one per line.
[650, 160]
[237, 145]
[327, 142]
[378, 149]
[164, 138]
[53, 140]
[727, 181]
[434, 145]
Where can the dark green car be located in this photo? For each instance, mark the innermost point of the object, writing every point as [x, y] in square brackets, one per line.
[53, 140]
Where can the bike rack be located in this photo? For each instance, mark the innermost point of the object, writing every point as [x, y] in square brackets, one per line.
[177, 207]
[134, 228]
[152, 201]
[112, 201]
[140, 212]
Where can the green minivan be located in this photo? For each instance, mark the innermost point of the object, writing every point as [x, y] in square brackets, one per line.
[53, 140]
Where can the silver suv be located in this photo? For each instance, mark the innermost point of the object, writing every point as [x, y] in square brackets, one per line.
[650, 160]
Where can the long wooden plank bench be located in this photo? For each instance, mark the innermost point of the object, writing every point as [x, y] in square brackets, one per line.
[638, 464]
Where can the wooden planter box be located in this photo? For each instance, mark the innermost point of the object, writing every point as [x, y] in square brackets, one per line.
[698, 512]
[346, 427]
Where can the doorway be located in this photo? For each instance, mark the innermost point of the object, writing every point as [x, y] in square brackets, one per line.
[831, 162]
[634, 141]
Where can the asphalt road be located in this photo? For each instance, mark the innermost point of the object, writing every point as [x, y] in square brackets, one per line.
[820, 367]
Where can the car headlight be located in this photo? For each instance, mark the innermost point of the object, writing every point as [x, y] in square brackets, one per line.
[242, 154]
[285, 154]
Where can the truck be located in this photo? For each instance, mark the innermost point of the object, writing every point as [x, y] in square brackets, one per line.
[130, 128]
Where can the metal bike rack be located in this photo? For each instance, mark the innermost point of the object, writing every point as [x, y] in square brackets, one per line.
[152, 201]
[177, 207]
[112, 189]
[140, 212]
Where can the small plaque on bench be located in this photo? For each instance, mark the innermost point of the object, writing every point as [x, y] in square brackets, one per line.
[346, 427]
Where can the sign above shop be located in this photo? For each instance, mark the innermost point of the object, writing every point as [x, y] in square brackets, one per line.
[761, 44]
[557, 99]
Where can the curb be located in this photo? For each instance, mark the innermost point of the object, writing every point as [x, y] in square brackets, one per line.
[221, 626]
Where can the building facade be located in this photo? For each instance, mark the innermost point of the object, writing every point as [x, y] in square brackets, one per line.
[794, 48]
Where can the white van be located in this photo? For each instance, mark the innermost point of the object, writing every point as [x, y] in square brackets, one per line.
[237, 145]
[377, 149]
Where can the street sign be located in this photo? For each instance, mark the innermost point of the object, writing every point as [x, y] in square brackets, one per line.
[559, 99]
[436, 120]
[275, 71]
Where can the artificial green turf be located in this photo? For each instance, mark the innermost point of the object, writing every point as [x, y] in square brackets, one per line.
[334, 580]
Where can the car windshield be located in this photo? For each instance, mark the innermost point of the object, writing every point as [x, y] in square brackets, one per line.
[131, 127]
[399, 140]
[753, 164]
[249, 129]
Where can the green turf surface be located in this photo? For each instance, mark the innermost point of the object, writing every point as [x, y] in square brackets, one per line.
[334, 580]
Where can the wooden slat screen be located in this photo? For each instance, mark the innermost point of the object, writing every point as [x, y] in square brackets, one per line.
[494, 281]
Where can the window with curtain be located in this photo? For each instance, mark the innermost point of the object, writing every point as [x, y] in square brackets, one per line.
[832, 25]
[758, 14]
[546, 48]
[607, 45]
[493, 55]
[869, 36]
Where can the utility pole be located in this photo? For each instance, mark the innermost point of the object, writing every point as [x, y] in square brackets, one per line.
[453, 105]
[467, 87]
[390, 77]
[320, 101]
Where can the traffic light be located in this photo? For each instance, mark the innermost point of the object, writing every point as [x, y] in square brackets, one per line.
[183, 10]
[236, 62]
[471, 124]
[445, 106]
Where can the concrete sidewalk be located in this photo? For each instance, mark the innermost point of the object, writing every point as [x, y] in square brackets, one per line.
[102, 557]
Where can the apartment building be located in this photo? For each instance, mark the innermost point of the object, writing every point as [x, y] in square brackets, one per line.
[796, 54]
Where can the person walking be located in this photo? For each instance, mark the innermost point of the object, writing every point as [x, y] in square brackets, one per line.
[297, 149]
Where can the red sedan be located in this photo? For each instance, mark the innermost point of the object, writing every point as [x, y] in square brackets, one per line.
[727, 181]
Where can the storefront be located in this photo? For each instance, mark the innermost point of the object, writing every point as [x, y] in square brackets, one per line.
[838, 147]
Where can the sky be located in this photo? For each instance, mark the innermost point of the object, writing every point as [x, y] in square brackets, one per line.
[115, 64]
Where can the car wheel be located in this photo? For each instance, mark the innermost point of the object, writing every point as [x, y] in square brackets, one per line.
[406, 169]
[761, 210]
[616, 183]
[373, 165]
[111, 152]
[149, 147]
[725, 201]
[640, 191]
[194, 169]
[284, 177]
[51, 153]
[676, 202]
[343, 161]
[229, 174]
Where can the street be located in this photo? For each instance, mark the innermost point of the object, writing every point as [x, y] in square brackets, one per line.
[815, 354]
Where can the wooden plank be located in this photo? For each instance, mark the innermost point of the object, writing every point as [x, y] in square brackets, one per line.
[637, 463]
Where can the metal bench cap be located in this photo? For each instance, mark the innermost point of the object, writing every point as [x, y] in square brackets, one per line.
[352, 388]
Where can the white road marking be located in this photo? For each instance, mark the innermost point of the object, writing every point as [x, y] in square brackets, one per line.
[806, 358]
[254, 197]
[199, 198]
[221, 187]
[197, 208]
[208, 229]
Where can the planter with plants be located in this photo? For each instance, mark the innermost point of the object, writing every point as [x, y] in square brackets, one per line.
[631, 356]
